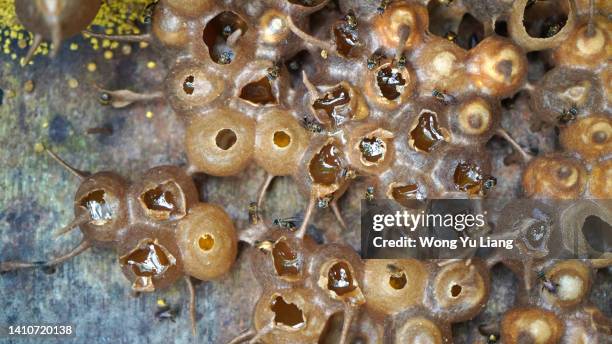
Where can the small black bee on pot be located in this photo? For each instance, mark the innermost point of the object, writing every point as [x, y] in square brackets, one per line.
[547, 284]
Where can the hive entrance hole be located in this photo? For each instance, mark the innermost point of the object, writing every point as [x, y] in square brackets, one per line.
[217, 32]
[340, 279]
[99, 210]
[390, 82]
[372, 149]
[188, 85]
[599, 137]
[225, 139]
[286, 262]
[470, 32]
[398, 281]
[326, 165]
[564, 172]
[544, 19]
[475, 120]
[281, 139]
[287, 314]
[258, 92]
[206, 242]
[455, 290]
[598, 234]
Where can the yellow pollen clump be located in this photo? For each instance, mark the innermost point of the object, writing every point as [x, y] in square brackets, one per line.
[126, 49]
[73, 83]
[38, 147]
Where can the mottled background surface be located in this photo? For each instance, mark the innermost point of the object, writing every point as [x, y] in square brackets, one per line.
[90, 291]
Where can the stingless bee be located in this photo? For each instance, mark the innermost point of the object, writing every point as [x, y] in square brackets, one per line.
[383, 6]
[568, 115]
[254, 215]
[451, 36]
[226, 57]
[491, 331]
[273, 73]
[264, 246]
[402, 61]
[489, 183]
[323, 202]
[547, 284]
[351, 19]
[443, 97]
[312, 125]
[374, 60]
[148, 12]
[104, 98]
[347, 173]
[287, 223]
[369, 195]
[166, 311]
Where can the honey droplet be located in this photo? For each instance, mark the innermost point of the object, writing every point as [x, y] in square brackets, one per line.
[390, 82]
[326, 165]
[333, 103]
[427, 135]
[285, 259]
[340, 279]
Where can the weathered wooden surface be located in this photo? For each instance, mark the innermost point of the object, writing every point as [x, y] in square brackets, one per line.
[36, 198]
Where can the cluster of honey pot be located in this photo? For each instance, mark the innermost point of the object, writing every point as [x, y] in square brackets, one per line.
[403, 94]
